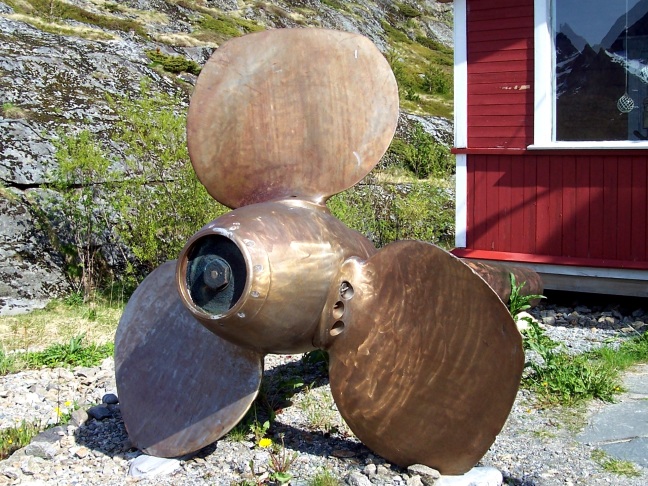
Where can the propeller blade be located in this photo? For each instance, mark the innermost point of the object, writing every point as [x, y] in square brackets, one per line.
[285, 113]
[180, 386]
[425, 360]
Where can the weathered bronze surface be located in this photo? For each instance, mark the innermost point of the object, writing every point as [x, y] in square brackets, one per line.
[498, 276]
[302, 113]
[425, 360]
[290, 251]
[180, 387]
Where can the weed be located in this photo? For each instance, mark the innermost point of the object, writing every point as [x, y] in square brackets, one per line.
[239, 433]
[616, 466]
[320, 409]
[519, 302]
[564, 378]
[259, 430]
[14, 438]
[319, 359]
[74, 299]
[280, 462]
[324, 478]
[74, 353]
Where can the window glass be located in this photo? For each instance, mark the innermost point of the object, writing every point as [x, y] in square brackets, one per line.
[600, 70]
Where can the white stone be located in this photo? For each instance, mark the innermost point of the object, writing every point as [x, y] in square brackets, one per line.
[477, 476]
[522, 321]
[145, 466]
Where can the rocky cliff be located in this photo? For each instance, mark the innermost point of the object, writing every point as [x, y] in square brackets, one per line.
[61, 61]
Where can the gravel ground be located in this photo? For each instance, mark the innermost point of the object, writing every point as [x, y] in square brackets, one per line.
[536, 447]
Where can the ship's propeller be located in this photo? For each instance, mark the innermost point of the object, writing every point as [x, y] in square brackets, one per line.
[425, 360]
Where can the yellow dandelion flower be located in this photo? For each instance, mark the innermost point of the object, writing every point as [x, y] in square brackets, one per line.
[67, 403]
[58, 411]
[265, 442]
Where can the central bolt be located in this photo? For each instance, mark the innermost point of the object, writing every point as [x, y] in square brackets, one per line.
[217, 274]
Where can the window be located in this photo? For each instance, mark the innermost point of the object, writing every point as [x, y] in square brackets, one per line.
[597, 87]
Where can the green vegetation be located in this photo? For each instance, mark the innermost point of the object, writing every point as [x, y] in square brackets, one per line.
[423, 156]
[82, 167]
[280, 462]
[407, 10]
[390, 211]
[562, 378]
[615, 466]
[173, 64]
[519, 302]
[153, 202]
[75, 353]
[14, 438]
[423, 67]
[320, 409]
[59, 10]
[63, 320]
[336, 5]
[10, 110]
[161, 203]
[324, 478]
[220, 25]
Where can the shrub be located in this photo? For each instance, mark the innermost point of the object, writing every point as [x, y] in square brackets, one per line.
[83, 166]
[389, 212]
[153, 204]
[407, 10]
[173, 64]
[422, 155]
[162, 202]
[221, 25]
[436, 81]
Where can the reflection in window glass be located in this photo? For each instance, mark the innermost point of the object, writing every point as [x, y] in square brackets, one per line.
[601, 69]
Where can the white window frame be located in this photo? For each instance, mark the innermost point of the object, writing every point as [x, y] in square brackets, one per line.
[544, 99]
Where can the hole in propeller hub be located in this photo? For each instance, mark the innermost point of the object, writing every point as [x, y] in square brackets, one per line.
[216, 274]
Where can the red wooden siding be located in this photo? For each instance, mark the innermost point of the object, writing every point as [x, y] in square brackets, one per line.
[500, 74]
[568, 206]
[576, 207]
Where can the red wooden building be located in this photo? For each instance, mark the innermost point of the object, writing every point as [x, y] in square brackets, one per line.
[551, 139]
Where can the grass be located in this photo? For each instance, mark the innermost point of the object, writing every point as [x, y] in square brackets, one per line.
[615, 466]
[62, 321]
[56, 9]
[10, 110]
[324, 478]
[75, 353]
[320, 410]
[562, 378]
[14, 438]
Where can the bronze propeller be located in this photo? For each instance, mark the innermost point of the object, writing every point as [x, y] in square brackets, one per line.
[425, 360]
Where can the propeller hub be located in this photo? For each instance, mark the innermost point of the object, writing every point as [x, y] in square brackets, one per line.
[259, 275]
